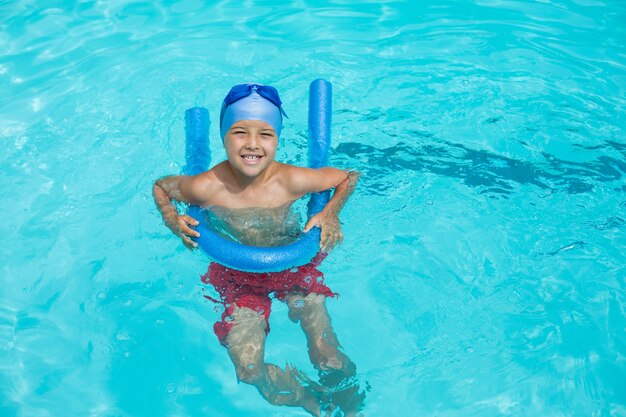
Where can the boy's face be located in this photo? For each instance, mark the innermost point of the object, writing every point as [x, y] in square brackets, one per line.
[250, 146]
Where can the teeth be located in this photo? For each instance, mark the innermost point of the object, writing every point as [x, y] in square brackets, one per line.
[251, 157]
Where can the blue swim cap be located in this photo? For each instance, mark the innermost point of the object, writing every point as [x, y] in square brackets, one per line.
[251, 102]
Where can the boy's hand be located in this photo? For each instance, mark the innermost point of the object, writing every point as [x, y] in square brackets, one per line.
[331, 230]
[184, 222]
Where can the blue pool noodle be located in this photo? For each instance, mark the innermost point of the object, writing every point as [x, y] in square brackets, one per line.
[197, 151]
[320, 111]
[251, 258]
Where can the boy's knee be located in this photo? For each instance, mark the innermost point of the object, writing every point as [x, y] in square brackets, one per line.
[249, 373]
[300, 304]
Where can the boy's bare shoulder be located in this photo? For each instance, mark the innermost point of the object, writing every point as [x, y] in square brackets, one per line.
[290, 175]
[201, 188]
[302, 181]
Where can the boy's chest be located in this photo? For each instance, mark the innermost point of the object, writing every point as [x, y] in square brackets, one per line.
[257, 197]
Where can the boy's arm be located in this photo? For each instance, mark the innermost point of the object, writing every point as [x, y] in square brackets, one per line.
[310, 180]
[341, 194]
[177, 188]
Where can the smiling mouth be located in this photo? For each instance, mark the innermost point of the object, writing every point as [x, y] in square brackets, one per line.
[251, 159]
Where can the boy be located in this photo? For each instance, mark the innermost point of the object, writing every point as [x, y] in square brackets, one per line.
[252, 193]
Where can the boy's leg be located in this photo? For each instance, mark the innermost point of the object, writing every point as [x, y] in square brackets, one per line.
[335, 367]
[310, 311]
[245, 342]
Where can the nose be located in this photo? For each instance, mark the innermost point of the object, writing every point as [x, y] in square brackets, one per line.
[253, 141]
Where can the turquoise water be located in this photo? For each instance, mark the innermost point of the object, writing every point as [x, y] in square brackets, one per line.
[483, 269]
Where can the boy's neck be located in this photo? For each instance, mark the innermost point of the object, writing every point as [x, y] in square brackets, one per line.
[244, 181]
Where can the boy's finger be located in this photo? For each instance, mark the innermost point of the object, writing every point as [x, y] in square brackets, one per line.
[324, 238]
[188, 231]
[189, 243]
[331, 243]
[189, 220]
[182, 224]
[338, 239]
[308, 226]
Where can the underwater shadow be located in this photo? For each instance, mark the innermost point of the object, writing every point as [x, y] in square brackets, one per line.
[491, 174]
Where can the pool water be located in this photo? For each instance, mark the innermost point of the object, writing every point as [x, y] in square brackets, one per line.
[483, 271]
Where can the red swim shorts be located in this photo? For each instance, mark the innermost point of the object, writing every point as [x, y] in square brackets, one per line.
[252, 290]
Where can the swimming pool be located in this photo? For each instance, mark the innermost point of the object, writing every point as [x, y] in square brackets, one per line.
[483, 269]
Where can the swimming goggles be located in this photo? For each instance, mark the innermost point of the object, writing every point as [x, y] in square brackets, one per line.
[244, 90]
